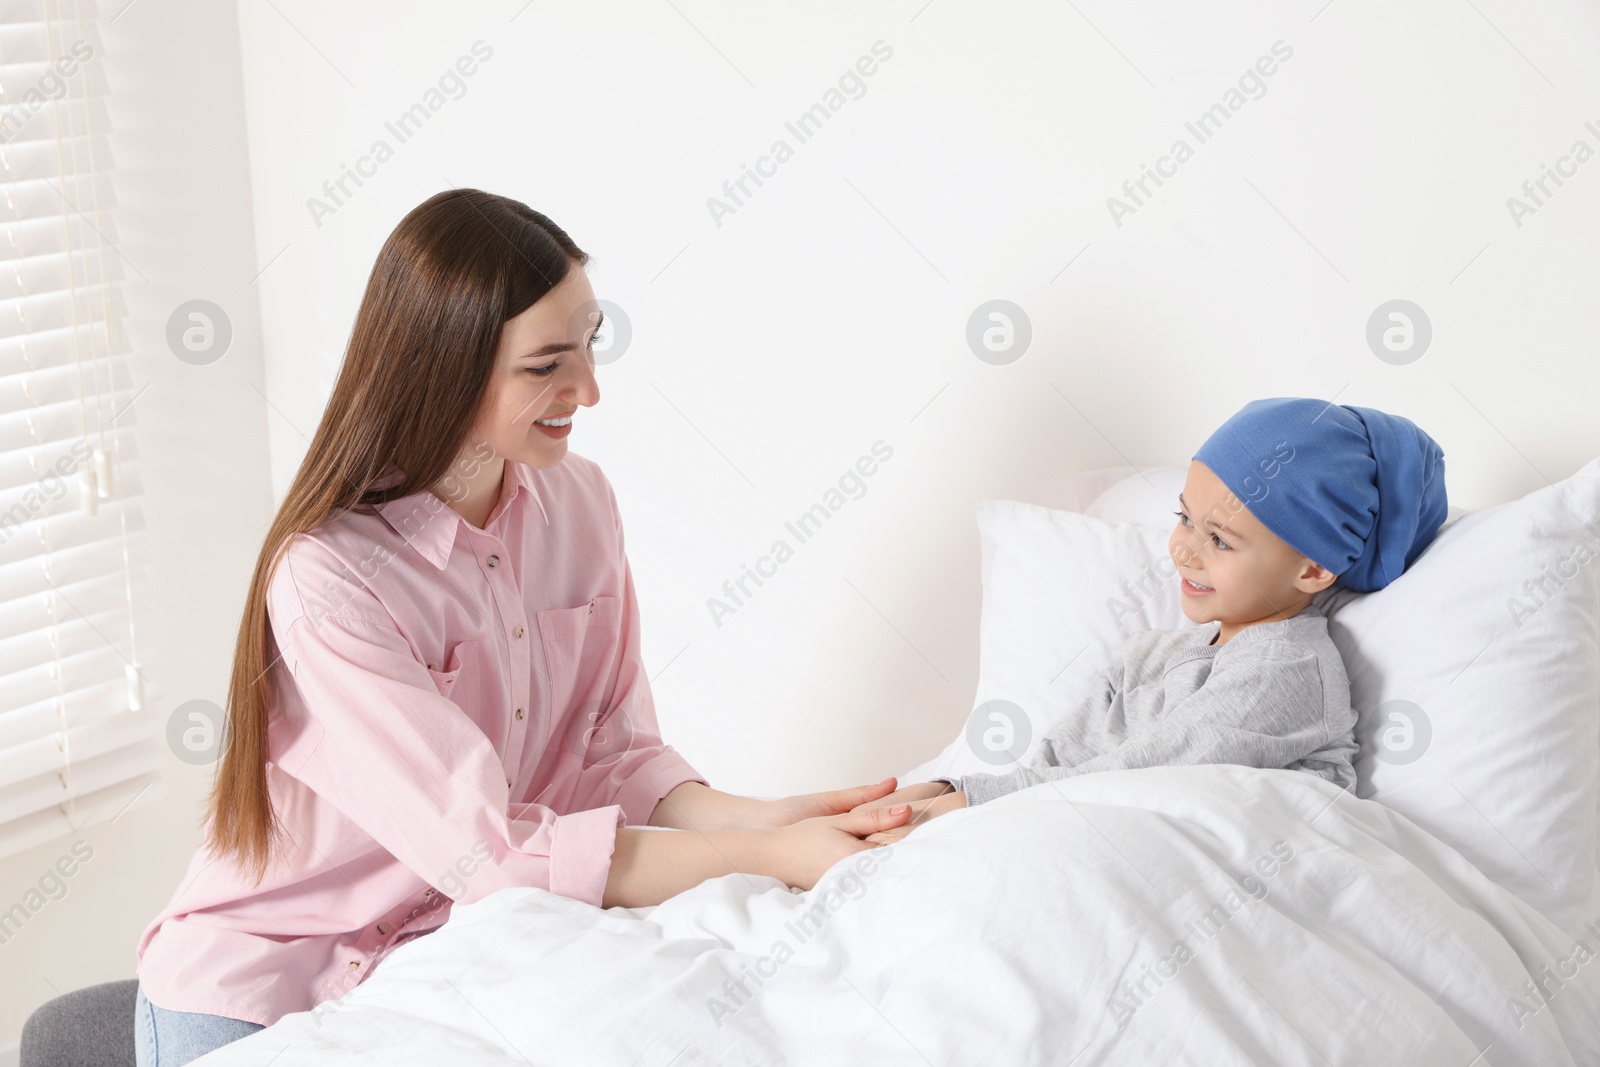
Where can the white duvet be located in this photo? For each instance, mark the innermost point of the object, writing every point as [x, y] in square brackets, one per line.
[1177, 915]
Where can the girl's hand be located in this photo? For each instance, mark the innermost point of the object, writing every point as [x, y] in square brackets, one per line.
[802, 851]
[910, 794]
[922, 811]
[789, 810]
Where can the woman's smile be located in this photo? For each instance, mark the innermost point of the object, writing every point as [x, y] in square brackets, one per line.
[557, 427]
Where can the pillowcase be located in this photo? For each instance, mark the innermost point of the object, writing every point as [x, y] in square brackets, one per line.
[1476, 678]
[1477, 719]
[1122, 494]
[1043, 571]
[1061, 591]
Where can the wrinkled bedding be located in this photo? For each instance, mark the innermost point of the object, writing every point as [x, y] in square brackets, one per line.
[1208, 914]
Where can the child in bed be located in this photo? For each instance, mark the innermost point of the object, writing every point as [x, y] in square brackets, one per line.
[1285, 498]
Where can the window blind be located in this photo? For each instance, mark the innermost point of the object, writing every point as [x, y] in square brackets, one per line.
[76, 746]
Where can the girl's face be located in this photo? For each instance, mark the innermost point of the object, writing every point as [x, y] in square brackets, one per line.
[1254, 575]
[544, 371]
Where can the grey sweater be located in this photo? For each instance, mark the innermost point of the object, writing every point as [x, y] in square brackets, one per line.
[1276, 695]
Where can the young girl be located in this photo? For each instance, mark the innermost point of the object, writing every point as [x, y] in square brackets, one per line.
[437, 689]
[1333, 492]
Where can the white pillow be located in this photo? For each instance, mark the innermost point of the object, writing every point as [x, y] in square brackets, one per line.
[1127, 495]
[1521, 743]
[1035, 563]
[1061, 591]
[1480, 724]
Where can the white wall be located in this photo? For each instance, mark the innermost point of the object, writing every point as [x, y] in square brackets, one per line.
[830, 310]
[184, 232]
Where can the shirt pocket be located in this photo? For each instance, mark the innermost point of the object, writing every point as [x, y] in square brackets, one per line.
[462, 680]
[583, 649]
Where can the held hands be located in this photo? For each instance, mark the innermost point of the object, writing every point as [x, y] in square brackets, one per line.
[806, 849]
[911, 794]
[693, 805]
[787, 810]
[813, 831]
[928, 800]
[946, 799]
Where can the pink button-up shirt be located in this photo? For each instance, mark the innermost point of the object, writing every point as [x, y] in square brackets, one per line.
[454, 711]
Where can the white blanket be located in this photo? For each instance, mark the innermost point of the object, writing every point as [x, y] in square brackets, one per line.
[1175, 915]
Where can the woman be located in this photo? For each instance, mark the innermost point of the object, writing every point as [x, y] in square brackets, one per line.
[437, 690]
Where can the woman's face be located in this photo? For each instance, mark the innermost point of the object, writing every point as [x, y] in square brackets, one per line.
[1254, 574]
[543, 371]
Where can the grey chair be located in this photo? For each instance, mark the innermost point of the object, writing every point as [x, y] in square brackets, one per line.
[89, 1027]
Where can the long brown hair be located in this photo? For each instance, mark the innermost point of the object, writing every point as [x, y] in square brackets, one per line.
[414, 374]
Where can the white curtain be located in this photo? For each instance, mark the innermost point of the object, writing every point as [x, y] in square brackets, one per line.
[76, 745]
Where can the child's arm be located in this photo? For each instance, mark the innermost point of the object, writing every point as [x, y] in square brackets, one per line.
[1341, 772]
[1265, 714]
[1065, 745]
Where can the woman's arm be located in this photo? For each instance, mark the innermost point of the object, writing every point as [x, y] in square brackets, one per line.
[696, 806]
[649, 866]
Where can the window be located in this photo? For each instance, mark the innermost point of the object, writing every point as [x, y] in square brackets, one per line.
[76, 747]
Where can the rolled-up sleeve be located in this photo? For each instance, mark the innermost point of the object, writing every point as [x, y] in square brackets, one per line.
[368, 731]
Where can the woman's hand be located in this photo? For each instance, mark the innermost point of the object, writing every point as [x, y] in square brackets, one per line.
[788, 810]
[910, 794]
[802, 851]
[921, 812]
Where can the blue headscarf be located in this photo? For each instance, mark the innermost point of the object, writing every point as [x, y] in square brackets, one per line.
[1356, 490]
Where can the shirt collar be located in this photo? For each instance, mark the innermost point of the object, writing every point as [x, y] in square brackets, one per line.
[426, 522]
[523, 482]
[429, 525]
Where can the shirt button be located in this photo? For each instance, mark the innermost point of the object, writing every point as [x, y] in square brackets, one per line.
[518, 631]
[519, 713]
[508, 783]
[383, 928]
[428, 892]
[354, 964]
[494, 561]
[431, 667]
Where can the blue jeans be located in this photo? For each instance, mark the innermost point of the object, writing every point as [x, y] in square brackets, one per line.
[163, 1038]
